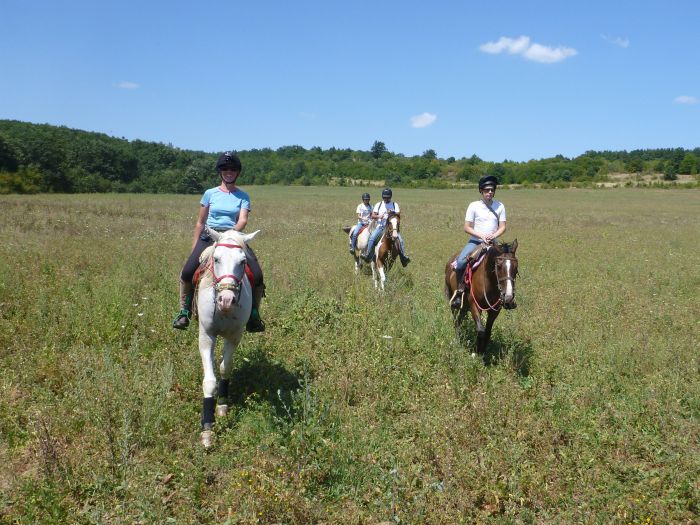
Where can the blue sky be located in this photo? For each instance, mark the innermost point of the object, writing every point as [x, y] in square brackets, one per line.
[502, 80]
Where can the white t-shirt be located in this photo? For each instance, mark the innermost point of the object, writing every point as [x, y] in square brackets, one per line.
[382, 210]
[364, 211]
[485, 221]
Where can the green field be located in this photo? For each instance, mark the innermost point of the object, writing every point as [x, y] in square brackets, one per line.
[354, 407]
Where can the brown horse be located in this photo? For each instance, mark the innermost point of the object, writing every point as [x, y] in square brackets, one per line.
[489, 287]
[387, 250]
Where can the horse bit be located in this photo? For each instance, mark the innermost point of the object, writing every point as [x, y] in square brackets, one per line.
[234, 286]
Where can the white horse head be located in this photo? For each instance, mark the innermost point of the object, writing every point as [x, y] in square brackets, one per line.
[228, 266]
[394, 220]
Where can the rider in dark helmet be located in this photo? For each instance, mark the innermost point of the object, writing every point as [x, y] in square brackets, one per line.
[222, 208]
[484, 222]
[363, 211]
[380, 213]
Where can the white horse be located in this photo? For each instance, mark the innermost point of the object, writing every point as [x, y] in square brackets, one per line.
[362, 241]
[224, 302]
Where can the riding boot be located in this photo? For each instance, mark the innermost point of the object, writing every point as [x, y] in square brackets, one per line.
[459, 293]
[369, 254]
[182, 320]
[405, 259]
[255, 323]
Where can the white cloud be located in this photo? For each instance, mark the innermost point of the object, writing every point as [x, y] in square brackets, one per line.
[128, 85]
[685, 99]
[423, 120]
[530, 51]
[618, 40]
[514, 46]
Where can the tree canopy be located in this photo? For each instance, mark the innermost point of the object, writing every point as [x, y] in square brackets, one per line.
[41, 157]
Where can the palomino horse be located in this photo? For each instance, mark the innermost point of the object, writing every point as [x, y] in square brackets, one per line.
[362, 241]
[387, 249]
[224, 302]
[490, 286]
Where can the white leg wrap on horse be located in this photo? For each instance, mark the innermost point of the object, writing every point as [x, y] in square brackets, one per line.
[209, 387]
[207, 438]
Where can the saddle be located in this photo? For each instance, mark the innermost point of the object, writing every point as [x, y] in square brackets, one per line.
[362, 228]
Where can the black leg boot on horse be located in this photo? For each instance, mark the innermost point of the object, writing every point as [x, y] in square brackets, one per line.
[182, 320]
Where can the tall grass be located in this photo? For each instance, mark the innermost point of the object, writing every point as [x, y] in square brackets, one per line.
[353, 407]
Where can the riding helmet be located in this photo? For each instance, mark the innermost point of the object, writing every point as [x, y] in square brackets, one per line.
[488, 181]
[365, 196]
[386, 192]
[228, 158]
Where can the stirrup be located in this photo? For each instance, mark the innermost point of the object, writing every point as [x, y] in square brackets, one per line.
[182, 320]
[255, 324]
[457, 298]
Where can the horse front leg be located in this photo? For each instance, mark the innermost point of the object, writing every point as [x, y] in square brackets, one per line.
[225, 372]
[490, 319]
[374, 274]
[207, 344]
[480, 330]
[382, 277]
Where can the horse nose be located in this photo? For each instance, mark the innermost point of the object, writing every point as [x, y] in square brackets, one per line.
[225, 300]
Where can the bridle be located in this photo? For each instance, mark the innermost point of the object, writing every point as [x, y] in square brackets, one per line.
[234, 286]
[501, 261]
[500, 303]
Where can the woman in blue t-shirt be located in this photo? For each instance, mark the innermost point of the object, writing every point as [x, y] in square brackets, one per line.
[222, 208]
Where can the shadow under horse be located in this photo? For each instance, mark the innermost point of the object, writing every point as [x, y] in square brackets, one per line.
[489, 286]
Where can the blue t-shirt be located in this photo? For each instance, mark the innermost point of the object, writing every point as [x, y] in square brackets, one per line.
[224, 207]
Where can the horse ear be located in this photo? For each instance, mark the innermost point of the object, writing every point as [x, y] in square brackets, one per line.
[215, 235]
[514, 246]
[250, 236]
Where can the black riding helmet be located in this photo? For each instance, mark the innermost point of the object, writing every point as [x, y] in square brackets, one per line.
[365, 196]
[228, 158]
[386, 192]
[486, 181]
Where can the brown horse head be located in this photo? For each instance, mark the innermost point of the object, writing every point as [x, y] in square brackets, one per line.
[389, 243]
[505, 271]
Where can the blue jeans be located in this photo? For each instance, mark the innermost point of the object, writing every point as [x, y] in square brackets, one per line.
[355, 233]
[462, 257]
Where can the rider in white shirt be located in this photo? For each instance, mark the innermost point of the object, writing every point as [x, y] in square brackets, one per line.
[364, 213]
[484, 222]
[380, 213]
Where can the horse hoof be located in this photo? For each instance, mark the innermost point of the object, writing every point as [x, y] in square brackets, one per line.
[221, 410]
[207, 438]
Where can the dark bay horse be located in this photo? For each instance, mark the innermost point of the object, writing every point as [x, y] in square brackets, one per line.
[490, 286]
[387, 250]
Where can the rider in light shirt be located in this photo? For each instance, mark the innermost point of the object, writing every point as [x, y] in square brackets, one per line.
[381, 213]
[364, 212]
[221, 208]
[485, 221]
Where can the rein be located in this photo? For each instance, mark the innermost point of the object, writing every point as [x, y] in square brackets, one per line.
[499, 280]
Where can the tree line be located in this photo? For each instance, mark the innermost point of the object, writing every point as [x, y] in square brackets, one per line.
[45, 158]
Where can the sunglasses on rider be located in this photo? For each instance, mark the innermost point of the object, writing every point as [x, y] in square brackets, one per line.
[228, 168]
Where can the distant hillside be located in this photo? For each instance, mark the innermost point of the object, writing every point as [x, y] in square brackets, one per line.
[41, 157]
